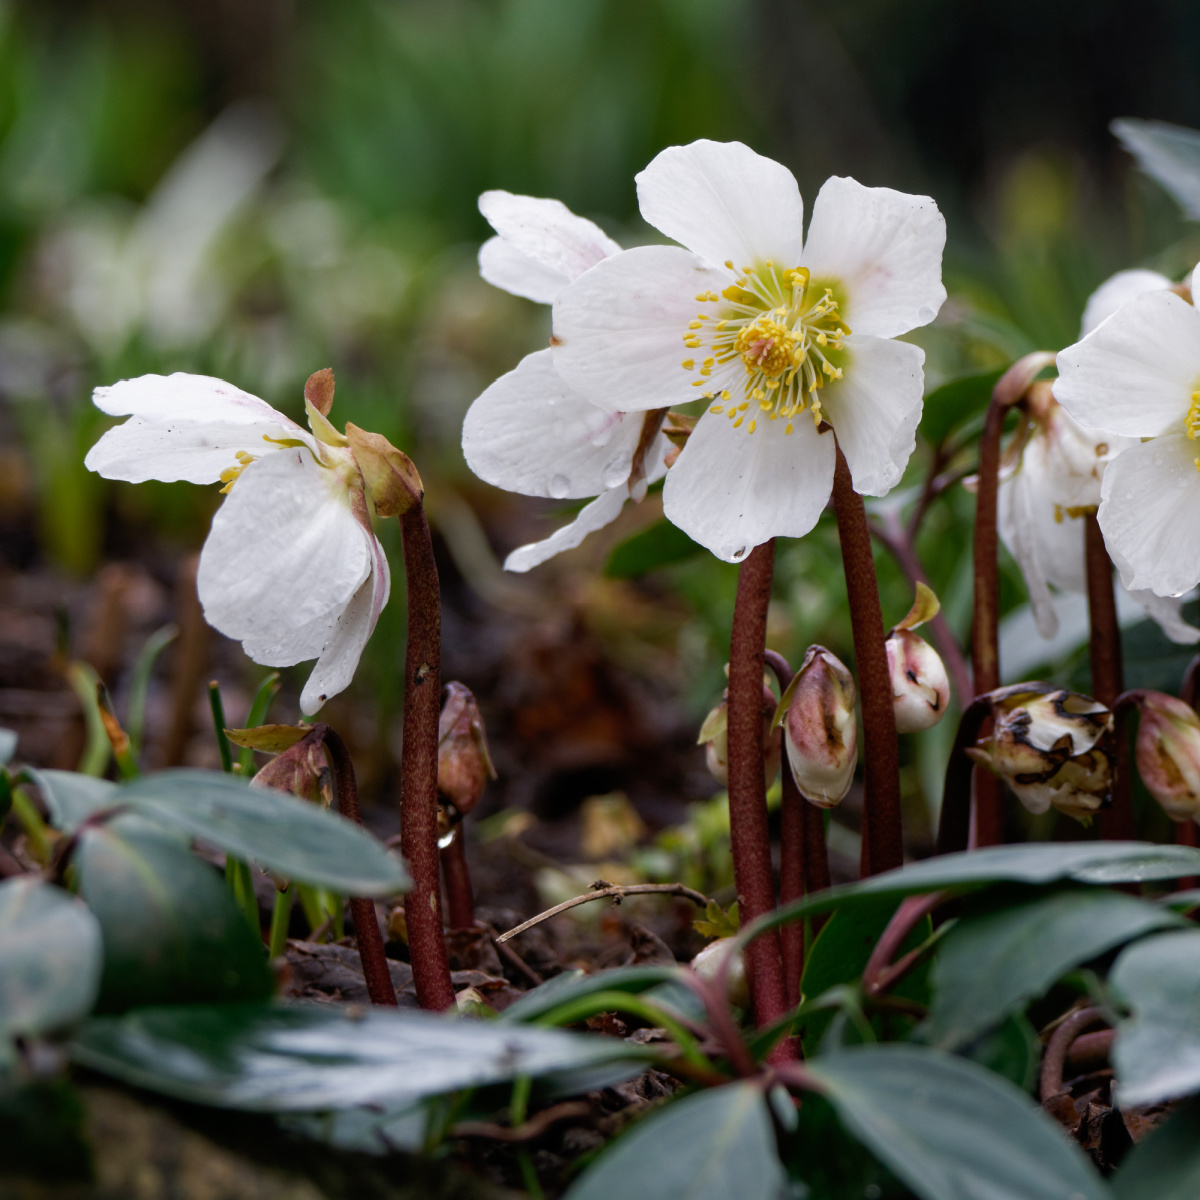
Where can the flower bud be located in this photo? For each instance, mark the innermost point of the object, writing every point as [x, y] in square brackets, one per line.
[708, 963]
[464, 764]
[389, 474]
[300, 768]
[1051, 747]
[1168, 754]
[714, 737]
[819, 728]
[920, 687]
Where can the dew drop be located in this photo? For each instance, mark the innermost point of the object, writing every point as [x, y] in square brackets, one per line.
[560, 485]
[615, 471]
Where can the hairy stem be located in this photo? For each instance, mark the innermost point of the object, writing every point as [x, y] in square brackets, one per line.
[418, 767]
[750, 840]
[883, 846]
[954, 828]
[460, 900]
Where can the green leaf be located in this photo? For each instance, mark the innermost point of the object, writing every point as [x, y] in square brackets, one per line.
[49, 958]
[312, 1058]
[948, 406]
[71, 798]
[709, 1146]
[952, 1130]
[271, 828]
[172, 932]
[1157, 1052]
[571, 985]
[994, 961]
[1011, 1050]
[660, 545]
[1168, 153]
[1165, 1166]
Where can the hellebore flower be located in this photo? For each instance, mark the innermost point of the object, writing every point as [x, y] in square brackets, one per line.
[1168, 754]
[1137, 375]
[756, 320]
[530, 432]
[714, 737]
[819, 729]
[920, 686]
[290, 568]
[1050, 747]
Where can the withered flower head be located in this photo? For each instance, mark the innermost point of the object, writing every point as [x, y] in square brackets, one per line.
[819, 728]
[1168, 754]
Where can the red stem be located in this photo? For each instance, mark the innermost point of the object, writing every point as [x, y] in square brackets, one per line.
[911, 911]
[362, 911]
[954, 828]
[749, 838]
[418, 766]
[1055, 1057]
[883, 844]
[460, 900]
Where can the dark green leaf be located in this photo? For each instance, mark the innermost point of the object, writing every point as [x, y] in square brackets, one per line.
[948, 406]
[657, 546]
[49, 958]
[951, 1130]
[574, 984]
[713, 1145]
[364, 1131]
[1157, 1053]
[1167, 153]
[1165, 1166]
[310, 1058]
[172, 932]
[271, 828]
[993, 962]
[71, 798]
[1011, 1050]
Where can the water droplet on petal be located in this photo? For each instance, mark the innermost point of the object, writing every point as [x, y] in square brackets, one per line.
[560, 485]
[616, 471]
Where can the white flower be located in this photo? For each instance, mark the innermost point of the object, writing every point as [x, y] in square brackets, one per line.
[756, 319]
[530, 432]
[1137, 375]
[290, 568]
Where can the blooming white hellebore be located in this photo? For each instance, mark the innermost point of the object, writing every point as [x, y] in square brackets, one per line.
[775, 331]
[530, 432]
[1137, 375]
[290, 568]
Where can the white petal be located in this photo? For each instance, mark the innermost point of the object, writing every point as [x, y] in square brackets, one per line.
[885, 248]
[505, 267]
[875, 409]
[1114, 291]
[731, 490]
[1150, 515]
[602, 511]
[1018, 527]
[1135, 374]
[619, 329]
[192, 451]
[530, 433]
[723, 201]
[285, 552]
[548, 232]
[186, 398]
[354, 626]
[1166, 610]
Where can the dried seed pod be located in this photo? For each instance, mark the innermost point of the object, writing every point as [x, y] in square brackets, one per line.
[820, 732]
[1168, 754]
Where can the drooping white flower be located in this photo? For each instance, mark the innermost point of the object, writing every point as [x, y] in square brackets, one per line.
[529, 432]
[774, 330]
[290, 568]
[1137, 375]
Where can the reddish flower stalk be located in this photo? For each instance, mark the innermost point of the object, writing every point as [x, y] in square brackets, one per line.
[954, 829]
[362, 910]
[749, 838]
[883, 846]
[1186, 832]
[460, 900]
[419, 764]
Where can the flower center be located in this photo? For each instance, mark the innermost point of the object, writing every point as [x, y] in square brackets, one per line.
[1191, 422]
[229, 476]
[787, 334]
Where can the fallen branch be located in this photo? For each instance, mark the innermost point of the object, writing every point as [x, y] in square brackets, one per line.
[618, 892]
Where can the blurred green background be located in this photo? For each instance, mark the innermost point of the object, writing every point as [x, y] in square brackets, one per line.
[256, 189]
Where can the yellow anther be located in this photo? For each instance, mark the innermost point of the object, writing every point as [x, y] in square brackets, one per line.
[751, 427]
[765, 405]
[1192, 421]
[708, 362]
[788, 429]
[697, 383]
[688, 363]
[716, 408]
[738, 422]
[729, 263]
[725, 395]
[745, 404]
[695, 324]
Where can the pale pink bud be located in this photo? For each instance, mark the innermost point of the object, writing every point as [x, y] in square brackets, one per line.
[714, 737]
[709, 964]
[464, 764]
[920, 686]
[819, 728]
[1168, 754]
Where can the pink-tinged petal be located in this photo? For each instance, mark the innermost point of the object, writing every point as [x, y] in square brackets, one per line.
[1167, 611]
[723, 201]
[1150, 514]
[530, 433]
[1135, 373]
[548, 232]
[732, 490]
[285, 553]
[192, 451]
[885, 249]
[602, 511]
[619, 328]
[353, 628]
[186, 398]
[1114, 291]
[507, 268]
[875, 409]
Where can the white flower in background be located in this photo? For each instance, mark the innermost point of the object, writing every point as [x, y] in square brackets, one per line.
[530, 432]
[1137, 375]
[291, 568]
[774, 331]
